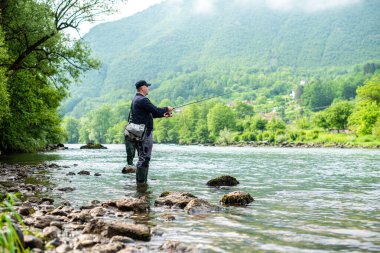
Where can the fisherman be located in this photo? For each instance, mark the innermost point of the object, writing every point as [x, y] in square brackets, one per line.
[143, 112]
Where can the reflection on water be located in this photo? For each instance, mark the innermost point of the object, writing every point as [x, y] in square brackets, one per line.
[306, 200]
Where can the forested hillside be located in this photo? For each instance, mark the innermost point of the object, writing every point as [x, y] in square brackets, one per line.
[189, 53]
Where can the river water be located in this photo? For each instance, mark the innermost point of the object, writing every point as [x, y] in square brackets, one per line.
[306, 200]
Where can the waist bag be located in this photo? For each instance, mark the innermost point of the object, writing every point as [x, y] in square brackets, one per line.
[134, 132]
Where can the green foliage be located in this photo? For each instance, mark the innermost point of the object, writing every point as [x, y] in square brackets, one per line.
[9, 238]
[260, 124]
[71, 129]
[38, 62]
[367, 109]
[318, 95]
[336, 116]
[276, 124]
[220, 117]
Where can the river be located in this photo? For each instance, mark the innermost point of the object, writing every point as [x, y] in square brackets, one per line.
[306, 200]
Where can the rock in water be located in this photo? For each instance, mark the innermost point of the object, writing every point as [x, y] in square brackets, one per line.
[223, 181]
[93, 146]
[111, 229]
[84, 172]
[129, 169]
[237, 198]
[197, 206]
[132, 204]
[177, 199]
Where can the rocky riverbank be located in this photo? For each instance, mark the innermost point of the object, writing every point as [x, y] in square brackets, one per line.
[112, 226]
[294, 145]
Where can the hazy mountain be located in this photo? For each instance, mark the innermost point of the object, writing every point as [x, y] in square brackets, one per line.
[189, 35]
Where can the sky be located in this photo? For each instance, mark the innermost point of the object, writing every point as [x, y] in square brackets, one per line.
[126, 9]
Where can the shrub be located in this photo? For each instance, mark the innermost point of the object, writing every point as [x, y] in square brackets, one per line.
[9, 238]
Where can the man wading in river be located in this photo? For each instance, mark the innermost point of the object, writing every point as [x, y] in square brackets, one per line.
[143, 112]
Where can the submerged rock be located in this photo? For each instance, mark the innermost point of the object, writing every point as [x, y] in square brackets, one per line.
[223, 181]
[167, 217]
[175, 246]
[84, 172]
[197, 206]
[237, 198]
[66, 189]
[93, 146]
[176, 199]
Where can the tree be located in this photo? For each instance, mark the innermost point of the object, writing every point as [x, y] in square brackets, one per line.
[318, 95]
[220, 117]
[367, 108]
[243, 109]
[71, 129]
[276, 124]
[260, 124]
[337, 114]
[41, 61]
[4, 96]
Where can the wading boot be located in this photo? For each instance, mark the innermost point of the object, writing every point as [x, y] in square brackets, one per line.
[141, 175]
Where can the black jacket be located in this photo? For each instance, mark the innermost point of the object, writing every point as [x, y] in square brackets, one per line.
[143, 111]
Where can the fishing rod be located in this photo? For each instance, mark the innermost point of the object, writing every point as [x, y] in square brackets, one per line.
[204, 99]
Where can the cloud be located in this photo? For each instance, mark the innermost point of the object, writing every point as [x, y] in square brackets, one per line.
[204, 6]
[309, 5]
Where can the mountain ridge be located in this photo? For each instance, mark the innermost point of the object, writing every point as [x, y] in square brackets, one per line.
[166, 39]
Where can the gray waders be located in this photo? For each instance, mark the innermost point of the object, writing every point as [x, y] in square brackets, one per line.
[144, 149]
[131, 150]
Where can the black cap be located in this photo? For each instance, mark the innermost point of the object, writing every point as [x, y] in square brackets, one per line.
[142, 83]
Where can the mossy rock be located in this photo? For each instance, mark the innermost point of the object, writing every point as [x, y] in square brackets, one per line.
[237, 198]
[223, 181]
[93, 146]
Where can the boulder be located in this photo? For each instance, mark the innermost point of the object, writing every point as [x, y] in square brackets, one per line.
[176, 247]
[176, 199]
[50, 232]
[223, 181]
[167, 217]
[97, 174]
[129, 169]
[111, 247]
[33, 242]
[86, 241]
[137, 232]
[122, 239]
[237, 198]
[198, 206]
[84, 172]
[97, 211]
[26, 210]
[63, 248]
[132, 204]
[111, 229]
[66, 189]
[93, 146]
[71, 174]
[43, 221]
[82, 216]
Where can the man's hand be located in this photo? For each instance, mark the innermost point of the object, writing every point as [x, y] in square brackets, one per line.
[170, 108]
[168, 114]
